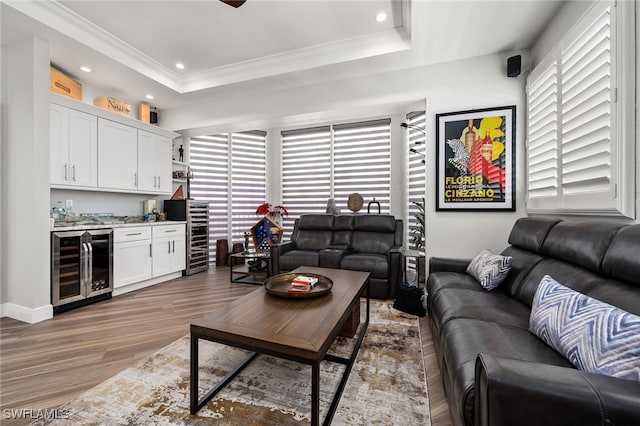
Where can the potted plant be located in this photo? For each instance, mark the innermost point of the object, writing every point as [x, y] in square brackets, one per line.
[417, 237]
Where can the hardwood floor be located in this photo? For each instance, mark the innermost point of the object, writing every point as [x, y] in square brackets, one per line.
[46, 364]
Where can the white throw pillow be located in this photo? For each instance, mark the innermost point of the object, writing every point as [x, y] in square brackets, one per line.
[489, 269]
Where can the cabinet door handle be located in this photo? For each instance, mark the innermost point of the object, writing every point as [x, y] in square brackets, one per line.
[169, 246]
[154, 181]
[158, 182]
[169, 230]
[135, 179]
[134, 233]
[65, 172]
[73, 172]
[150, 250]
[173, 246]
[90, 267]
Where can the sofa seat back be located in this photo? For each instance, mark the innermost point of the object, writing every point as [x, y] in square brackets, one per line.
[314, 232]
[342, 231]
[374, 234]
[572, 252]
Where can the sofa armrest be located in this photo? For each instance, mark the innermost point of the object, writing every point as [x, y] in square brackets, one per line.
[331, 257]
[278, 250]
[396, 267]
[443, 264]
[510, 391]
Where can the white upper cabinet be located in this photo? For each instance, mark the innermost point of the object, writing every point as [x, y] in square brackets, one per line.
[73, 147]
[117, 155]
[154, 163]
[95, 149]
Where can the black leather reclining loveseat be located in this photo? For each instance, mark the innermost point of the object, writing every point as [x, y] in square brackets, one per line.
[495, 371]
[369, 243]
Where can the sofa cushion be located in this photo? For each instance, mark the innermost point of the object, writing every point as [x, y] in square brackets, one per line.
[489, 269]
[372, 242]
[529, 232]
[342, 231]
[452, 303]
[593, 335]
[522, 261]
[374, 223]
[317, 222]
[376, 264]
[622, 260]
[295, 258]
[618, 293]
[463, 339]
[312, 239]
[572, 276]
[582, 243]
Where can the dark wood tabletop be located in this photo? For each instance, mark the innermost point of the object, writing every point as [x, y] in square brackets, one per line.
[297, 329]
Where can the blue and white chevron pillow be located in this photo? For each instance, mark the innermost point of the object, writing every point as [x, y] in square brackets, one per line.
[593, 335]
[489, 269]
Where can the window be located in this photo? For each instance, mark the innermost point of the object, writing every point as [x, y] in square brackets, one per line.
[580, 143]
[232, 202]
[333, 162]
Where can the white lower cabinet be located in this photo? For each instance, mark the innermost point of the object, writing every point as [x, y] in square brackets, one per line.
[132, 255]
[143, 253]
[169, 248]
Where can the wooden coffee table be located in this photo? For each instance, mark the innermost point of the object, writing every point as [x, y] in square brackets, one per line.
[300, 330]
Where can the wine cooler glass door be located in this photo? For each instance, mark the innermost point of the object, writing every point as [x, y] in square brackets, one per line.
[100, 265]
[67, 267]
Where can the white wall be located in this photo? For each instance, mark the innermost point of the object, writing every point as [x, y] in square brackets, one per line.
[25, 164]
[474, 83]
[105, 202]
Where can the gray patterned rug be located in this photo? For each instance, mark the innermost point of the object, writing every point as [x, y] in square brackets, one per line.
[387, 385]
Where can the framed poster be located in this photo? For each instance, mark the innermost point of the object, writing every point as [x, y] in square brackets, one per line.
[475, 160]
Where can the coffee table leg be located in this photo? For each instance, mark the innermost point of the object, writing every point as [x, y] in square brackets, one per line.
[193, 378]
[315, 394]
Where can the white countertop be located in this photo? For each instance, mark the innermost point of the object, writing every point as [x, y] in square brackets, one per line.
[80, 227]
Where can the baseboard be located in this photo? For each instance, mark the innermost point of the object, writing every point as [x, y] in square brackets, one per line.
[142, 284]
[24, 314]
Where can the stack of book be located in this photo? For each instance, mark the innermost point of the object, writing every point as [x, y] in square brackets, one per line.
[302, 283]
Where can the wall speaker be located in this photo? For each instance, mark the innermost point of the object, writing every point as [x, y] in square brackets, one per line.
[513, 66]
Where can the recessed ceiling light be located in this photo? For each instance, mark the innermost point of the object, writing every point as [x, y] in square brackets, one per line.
[85, 69]
[180, 66]
[381, 17]
[149, 96]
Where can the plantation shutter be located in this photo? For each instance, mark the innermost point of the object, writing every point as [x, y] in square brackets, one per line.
[306, 172]
[586, 101]
[580, 139]
[542, 136]
[361, 162]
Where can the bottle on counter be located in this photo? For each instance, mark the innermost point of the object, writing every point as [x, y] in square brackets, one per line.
[62, 212]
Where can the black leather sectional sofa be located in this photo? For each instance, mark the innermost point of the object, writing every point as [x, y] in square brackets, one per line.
[369, 243]
[495, 371]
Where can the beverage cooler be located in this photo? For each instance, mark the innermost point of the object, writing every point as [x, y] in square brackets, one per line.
[196, 213]
[81, 267]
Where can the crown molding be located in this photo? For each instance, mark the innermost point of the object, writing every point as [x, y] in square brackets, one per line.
[67, 22]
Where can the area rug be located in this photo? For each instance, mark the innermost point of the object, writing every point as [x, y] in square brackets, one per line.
[387, 385]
